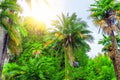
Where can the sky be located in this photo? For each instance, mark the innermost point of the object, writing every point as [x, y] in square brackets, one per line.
[81, 8]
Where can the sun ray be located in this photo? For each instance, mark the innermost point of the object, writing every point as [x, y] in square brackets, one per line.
[43, 11]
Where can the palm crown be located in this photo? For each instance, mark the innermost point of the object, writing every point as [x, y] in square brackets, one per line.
[70, 33]
[102, 10]
[106, 42]
[9, 20]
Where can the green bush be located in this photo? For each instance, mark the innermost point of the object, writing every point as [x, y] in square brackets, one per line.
[100, 68]
[40, 68]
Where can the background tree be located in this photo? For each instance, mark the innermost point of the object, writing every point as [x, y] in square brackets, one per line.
[35, 28]
[100, 68]
[106, 42]
[105, 14]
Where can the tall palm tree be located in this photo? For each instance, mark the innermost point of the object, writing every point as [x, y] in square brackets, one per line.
[105, 14]
[9, 20]
[70, 33]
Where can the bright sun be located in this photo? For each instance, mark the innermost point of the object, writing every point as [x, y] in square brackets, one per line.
[42, 11]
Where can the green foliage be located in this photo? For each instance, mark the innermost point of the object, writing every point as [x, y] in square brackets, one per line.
[106, 42]
[28, 66]
[34, 69]
[10, 21]
[70, 30]
[47, 67]
[100, 68]
[81, 57]
[102, 11]
[38, 62]
[78, 72]
[99, 7]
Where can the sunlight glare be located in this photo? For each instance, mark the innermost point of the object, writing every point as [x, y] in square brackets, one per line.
[42, 11]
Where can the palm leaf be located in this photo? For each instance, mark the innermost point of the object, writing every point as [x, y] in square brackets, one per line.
[11, 6]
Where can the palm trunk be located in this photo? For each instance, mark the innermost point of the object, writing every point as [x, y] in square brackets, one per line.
[1, 47]
[66, 64]
[116, 56]
[70, 56]
[2, 53]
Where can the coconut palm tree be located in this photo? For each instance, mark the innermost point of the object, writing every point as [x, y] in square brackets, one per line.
[70, 33]
[9, 20]
[105, 13]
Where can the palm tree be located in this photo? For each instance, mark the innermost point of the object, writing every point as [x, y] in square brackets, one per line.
[70, 33]
[106, 42]
[105, 13]
[9, 20]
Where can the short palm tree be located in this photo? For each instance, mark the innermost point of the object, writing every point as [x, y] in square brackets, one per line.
[105, 13]
[9, 20]
[70, 33]
[106, 42]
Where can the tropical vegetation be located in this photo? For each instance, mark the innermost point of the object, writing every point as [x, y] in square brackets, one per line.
[31, 51]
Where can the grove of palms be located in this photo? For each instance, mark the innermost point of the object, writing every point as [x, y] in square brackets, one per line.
[35, 52]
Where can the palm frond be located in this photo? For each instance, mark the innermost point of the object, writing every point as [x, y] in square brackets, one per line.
[10, 22]
[11, 5]
[106, 42]
[99, 12]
